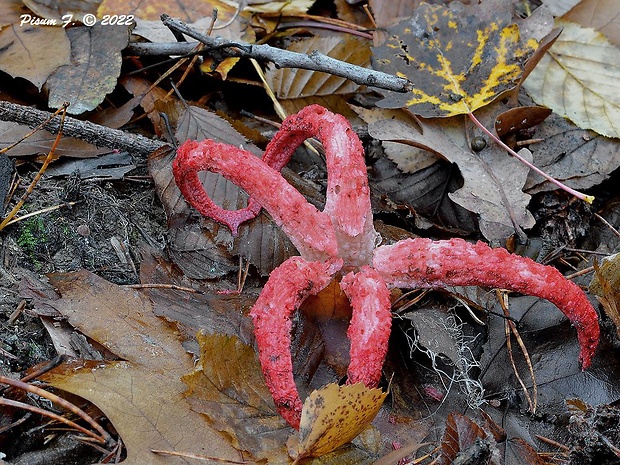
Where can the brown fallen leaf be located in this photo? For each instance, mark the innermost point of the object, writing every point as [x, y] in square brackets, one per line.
[461, 434]
[201, 247]
[601, 15]
[493, 181]
[227, 386]
[291, 83]
[95, 66]
[143, 394]
[33, 52]
[333, 415]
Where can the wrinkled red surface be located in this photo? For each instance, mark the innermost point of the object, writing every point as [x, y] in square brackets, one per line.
[342, 237]
[420, 263]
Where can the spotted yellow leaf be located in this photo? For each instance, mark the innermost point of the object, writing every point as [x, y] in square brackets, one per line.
[458, 58]
[334, 415]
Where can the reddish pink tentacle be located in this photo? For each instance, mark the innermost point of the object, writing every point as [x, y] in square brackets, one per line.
[370, 326]
[192, 189]
[310, 230]
[348, 196]
[287, 287]
[425, 263]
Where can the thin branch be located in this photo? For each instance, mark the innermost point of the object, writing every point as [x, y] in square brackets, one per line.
[92, 133]
[220, 49]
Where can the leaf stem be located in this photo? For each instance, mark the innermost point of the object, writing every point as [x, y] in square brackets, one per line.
[579, 195]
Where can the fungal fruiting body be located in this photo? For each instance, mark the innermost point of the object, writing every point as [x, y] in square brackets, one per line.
[341, 241]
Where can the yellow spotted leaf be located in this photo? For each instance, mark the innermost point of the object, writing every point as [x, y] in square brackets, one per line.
[459, 58]
[578, 78]
[334, 415]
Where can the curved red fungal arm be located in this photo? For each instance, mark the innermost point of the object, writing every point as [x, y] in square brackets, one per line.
[310, 230]
[287, 287]
[192, 189]
[370, 326]
[419, 263]
[348, 195]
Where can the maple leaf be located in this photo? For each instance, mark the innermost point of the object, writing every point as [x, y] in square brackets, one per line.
[459, 58]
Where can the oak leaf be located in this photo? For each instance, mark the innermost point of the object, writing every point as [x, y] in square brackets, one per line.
[459, 58]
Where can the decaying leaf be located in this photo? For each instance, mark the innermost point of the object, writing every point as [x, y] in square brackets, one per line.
[493, 181]
[463, 436]
[95, 66]
[459, 58]
[334, 415]
[142, 395]
[33, 52]
[201, 247]
[579, 158]
[228, 387]
[578, 78]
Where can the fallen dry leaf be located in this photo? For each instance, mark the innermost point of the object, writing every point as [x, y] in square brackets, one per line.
[333, 415]
[559, 7]
[57, 9]
[601, 15]
[459, 58]
[290, 83]
[578, 78]
[41, 143]
[387, 13]
[33, 52]
[95, 66]
[493, 181]
[143, 394]
[462, 433]
[577, 157]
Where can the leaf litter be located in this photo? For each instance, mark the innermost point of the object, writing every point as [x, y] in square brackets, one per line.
[162, 299]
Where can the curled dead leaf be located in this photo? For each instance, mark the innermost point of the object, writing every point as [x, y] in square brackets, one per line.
[334, 415]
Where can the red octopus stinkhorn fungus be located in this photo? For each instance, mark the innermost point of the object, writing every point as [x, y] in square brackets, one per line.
[342, 239]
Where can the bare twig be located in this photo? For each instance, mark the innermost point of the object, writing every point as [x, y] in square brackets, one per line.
[220, 49]
[92, 133]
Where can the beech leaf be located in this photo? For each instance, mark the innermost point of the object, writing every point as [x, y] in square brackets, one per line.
[578, 79]
[334, 415]
[288, 83]
[459, 58]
